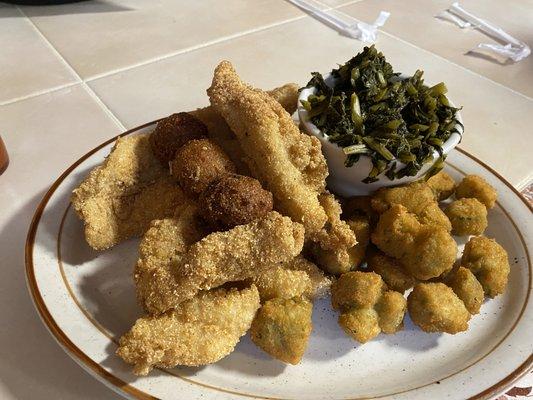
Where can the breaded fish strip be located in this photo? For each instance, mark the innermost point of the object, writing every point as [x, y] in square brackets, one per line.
[220, 133]
[119, 198]
[238, 254]
[288, 163]
[199, 331]
[160, 252]
[297, 277]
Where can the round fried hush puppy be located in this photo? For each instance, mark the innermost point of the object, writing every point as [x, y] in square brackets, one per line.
[467, 288]
[198, 163]
[391, 271]
[367, 308]
[417, 198]
[442, 185]
[173, 132]
[434, 307]
[425, 251]
[489, 262]
[468, 217]
[477, 187]
[234, 200]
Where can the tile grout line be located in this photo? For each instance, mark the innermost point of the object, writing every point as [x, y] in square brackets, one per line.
[225, 39]
[431, 53]
[192, 48]
[38, 93]
[457, 65]
[84, 82]
[215, 42]
[78, 78]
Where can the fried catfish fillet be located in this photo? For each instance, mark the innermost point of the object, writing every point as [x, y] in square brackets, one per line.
[234, 255]
[288, 163]
[160, 252]
[200, 331]
[220, 133]
[119, 198]
[298, 277]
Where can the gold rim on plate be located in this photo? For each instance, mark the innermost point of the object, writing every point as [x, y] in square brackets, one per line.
[113, 380]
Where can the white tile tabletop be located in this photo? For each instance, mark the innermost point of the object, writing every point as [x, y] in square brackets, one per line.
[72, 76]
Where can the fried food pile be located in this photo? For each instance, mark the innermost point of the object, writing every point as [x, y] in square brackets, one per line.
[240, 234]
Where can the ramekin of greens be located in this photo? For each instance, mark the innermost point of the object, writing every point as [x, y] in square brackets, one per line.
[378, 127]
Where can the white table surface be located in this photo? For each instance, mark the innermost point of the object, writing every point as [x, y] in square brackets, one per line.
[72, 76]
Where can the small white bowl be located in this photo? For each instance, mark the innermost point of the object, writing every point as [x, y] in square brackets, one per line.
[347, 181]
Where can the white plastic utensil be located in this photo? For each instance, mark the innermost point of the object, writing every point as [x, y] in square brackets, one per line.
[355, 29]
[511, 47]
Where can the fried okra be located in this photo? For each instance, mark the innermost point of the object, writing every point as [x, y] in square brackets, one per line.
[425, 251]
[489, 262]
[417, 198]
[173, 132]
[234, 200]
[367, 307]
[198, 163]
[468, 216]
[391, 271]
[442, 185]
[477, 187]
[434, 307]
[467, 288]
[282, 327]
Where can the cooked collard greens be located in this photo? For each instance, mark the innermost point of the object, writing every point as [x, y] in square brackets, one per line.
[370, 110]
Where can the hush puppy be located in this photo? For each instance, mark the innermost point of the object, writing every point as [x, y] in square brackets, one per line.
[173, 132]
[442, 185]
[468, 217]
[198, 163]
[477, 187]
[489, 262]
[234, 200]
[434, 307]
[282, 328]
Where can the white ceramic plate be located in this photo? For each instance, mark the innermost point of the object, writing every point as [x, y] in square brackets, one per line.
[87, 301]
